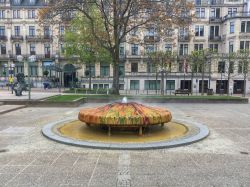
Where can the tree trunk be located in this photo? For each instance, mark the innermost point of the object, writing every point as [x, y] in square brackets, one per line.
[228, 79]
[192, 82]
[162, 83]
[202, 81]
[90, 80]
[245, 86]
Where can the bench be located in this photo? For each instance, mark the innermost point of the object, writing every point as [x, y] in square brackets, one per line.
[179, 91]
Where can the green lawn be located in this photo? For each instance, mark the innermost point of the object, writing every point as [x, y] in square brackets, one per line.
[64, 98]
[216, 97]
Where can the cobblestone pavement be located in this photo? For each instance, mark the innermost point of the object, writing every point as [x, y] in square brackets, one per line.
[223, 159]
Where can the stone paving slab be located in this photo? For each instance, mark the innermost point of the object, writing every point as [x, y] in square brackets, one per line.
[9, 108]
[222, 159]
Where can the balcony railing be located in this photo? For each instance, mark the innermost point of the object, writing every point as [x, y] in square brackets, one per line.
[3, 38]
[215, 19]
[215, 38]
[16, 37]
[237, 15]
[33, 38]
[184, 38]
[47, 38]
[151, 39]
[209, 3]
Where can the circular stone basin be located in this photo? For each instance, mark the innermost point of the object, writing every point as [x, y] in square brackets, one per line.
[125, 115]
[175, 133]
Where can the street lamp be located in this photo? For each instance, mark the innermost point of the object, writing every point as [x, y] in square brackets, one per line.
[32, 59]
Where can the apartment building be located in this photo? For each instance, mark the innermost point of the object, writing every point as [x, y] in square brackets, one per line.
[221, 25]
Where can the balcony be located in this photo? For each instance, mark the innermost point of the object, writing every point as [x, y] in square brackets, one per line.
[209, 3]
[33, 38]
[184, 38]
[215, 19]
[47, 38]
[215, 38]
[237, 15]
[16, 38]
[3, 38]
[151, 39]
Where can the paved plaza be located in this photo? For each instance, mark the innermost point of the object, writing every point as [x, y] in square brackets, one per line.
[223, 159]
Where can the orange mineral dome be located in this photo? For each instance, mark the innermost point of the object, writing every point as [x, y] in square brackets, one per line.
[125, 114]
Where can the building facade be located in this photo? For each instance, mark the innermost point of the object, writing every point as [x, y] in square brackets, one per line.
[220, 25]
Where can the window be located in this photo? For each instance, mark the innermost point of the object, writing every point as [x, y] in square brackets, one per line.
[104, 70]
[244, 45]
[134, 31]
[46, 31]
[170, 85]
[32, 31]
[17, 30]
[151, 31]
[221, 67]
[214, 47]
[215, 13]
[61, 47]
[19, 67]
[62, 30]
[2, 31]
[183, 50]
[240, 67]
[32, 49]
[231, 47]
[3, 49]
[134, 67]
[183, 32]
[168, 47]
[16, 14]
[214, 31]
[149, 48]
[231, 67]
[197, 2]
[16, 2]
[32, 2]
[2, 14]
[152, 84]
[121, 70]
[91, 70]
[134, 84]
[33, 70]
[200, 13]
[18, 49]
[47, 50]
[121, 50]
[198, 47]
[231, 11]
[231, 27]
[199, 30]
[134, 49]
[245, 26]
[151, 67]
[31, 14]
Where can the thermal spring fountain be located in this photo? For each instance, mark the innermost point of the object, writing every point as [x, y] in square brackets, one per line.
[125, 125]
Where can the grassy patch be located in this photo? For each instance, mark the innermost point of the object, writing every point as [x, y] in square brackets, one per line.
[212, 97]
[64, 98]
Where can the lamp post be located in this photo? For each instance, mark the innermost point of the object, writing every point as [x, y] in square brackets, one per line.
[59, 71]
[32, 59]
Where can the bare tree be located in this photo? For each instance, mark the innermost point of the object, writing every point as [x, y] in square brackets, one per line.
[111, 20]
